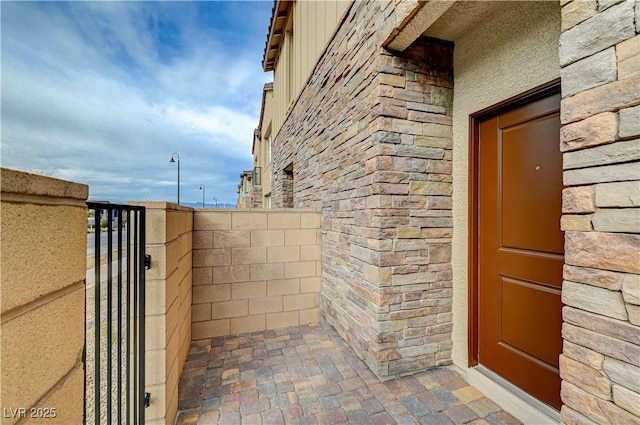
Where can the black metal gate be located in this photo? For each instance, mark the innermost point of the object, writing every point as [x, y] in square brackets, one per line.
[115, 301]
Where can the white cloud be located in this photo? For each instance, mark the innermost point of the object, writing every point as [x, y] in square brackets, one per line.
[229, 130]
[93, 92]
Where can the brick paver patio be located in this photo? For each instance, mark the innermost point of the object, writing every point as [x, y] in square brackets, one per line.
[309, 375]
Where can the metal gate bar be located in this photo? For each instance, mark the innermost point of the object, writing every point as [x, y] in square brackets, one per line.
[118, 317]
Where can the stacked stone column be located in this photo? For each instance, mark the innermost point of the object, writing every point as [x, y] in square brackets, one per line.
[370, 142]
[600, 140]
[256, 197]
[406, 228]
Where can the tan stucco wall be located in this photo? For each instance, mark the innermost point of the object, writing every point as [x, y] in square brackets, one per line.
[514, 50]
[254, 270]
[168, 305]
[43, 250]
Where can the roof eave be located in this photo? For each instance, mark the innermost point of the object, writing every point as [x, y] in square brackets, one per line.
[275, 36]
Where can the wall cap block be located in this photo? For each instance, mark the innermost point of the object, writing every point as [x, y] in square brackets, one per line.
[21, 183]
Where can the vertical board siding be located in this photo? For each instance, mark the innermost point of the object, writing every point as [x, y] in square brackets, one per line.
[314, 22]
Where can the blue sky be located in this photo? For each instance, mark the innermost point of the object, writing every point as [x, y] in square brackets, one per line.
[103, 93]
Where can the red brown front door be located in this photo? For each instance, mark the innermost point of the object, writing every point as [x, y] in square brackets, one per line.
[520, 247]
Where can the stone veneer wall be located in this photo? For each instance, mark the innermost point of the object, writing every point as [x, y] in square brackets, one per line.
[42, 309]
[254, 270]
[370, 142]
[286, 182]
[168, 305]
[600, 59]
[256, 197]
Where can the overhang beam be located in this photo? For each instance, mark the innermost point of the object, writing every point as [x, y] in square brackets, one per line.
[416, 21]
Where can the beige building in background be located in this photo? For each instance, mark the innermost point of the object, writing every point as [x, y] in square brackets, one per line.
[378, 113]
[298, 52]
[292, 50]
[244, 189]
[261, 151]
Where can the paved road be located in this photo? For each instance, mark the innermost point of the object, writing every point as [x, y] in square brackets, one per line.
[90, 279]
[91, 249]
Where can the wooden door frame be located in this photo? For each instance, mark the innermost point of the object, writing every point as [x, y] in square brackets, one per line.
[540, 92]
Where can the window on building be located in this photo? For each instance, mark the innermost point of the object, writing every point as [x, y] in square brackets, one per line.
[269, 149]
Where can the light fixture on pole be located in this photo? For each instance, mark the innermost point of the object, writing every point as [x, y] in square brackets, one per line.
[202, 189]
[175, 156]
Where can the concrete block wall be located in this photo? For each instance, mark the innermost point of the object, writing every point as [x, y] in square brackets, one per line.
[254, 270]
[169, 231]
[600, 140]
[43, 256]
[370, 141]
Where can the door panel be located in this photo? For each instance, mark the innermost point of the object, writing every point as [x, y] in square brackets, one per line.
[520, 246]
[526, 329]
[530, 204]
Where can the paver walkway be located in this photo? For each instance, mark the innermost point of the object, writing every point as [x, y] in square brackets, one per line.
[309, 375]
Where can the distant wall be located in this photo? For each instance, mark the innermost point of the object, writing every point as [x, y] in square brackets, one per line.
[42, 308]
[254, 270]
[168, 305]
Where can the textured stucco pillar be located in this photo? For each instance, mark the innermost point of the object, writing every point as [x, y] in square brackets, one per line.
[600, 60]
[42, 308]
[168, 305]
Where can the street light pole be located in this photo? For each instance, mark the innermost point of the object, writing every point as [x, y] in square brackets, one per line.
[176, 156]
[202, 188]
